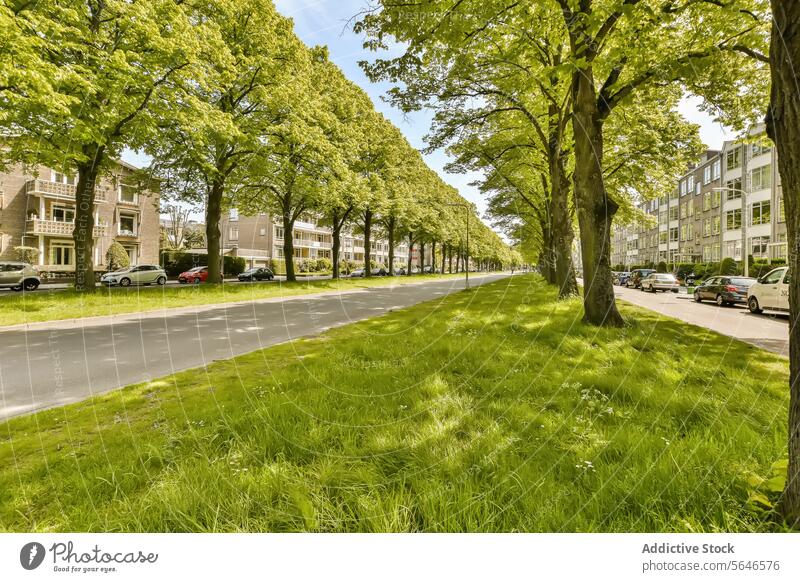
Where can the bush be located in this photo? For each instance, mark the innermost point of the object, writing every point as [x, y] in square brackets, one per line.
[760, 268]
[176, 262]
[662, 267]
[684, 269]
[324, 264]
[117, 258]
[27, 254]
[277, 266]
[728, 267]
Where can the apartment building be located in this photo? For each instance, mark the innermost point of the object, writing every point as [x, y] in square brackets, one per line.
[37, 209]
[260, 238]
[729, 201]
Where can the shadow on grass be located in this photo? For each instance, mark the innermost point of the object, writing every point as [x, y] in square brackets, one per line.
[493, 410]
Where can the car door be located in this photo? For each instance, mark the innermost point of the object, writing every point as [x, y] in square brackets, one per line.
[706, 290]
[136, 275]
[768, 292]
[783, 292]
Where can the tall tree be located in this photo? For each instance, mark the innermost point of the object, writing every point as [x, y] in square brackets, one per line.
[215, 130]
[114, 67]
[783, 126]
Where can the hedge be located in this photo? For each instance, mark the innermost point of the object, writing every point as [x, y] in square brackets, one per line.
[176, 262]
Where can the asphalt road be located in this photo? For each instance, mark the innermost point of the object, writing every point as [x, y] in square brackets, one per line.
[767, 331]
[55, 363]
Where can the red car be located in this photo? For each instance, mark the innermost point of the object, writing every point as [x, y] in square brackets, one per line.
[196, 275]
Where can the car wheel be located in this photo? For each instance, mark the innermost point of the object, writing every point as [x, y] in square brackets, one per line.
[162, 280]
[697, 297]
[720, 300]
[124, 282]
[31, 285]
[17, 288]
[197, 280]
[752, 305]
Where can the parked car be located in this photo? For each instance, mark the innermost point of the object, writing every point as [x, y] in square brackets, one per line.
[257, 274]
[400, 271]
[380, 272]
[636, 276]
[659, 282]
[358, 273]
[18, 276]
[770, 292]
[725, 290]
[195, 275]
[621, 277]
[138, 275]
[427, 269]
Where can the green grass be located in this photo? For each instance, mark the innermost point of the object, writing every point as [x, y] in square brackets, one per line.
[60, 304]
[488, 410]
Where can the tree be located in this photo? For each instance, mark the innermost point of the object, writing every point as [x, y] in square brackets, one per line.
[112, 68]
[117, 257]
[216, 129]
[783, 126]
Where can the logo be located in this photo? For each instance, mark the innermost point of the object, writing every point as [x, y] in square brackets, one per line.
[31, 555]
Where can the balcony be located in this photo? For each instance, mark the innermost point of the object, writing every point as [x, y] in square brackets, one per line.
[127, 234]
[39, 187]
[59, 228]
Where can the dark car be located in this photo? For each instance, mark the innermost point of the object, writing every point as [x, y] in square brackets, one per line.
[400, 271]
[257, 274]
[620, 277]
[724, 290]
[635, 280]
[379, 272]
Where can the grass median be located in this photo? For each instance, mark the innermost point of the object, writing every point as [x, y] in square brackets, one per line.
[494, 409]
[50, 305]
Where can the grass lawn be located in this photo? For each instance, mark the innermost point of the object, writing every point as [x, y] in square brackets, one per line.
[489, 410]
[16, 308]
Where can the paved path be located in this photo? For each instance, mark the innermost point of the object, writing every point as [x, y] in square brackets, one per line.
[767, 331]
[55, 363]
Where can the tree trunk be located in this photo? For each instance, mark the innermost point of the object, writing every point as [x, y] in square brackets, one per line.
[560, 221]
[433, 256]
[83, 232]
[595, 209]
[546, 259]
[367, 243]
[421, 257]
[288, 245]
[458, 259]
[337, 231]
[390, 228]
[450, 259]
[444, 254]
[783, 126]
[410, 252]
[213, 235]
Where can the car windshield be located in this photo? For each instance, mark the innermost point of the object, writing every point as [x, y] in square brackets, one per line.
[196, 269]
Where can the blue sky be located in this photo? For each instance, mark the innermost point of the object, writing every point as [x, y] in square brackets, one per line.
[325, 22]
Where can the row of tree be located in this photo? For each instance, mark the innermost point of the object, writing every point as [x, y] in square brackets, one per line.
[569, 107]
[233, 109]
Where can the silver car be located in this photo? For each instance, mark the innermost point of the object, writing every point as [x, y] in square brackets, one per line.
[659, 282]
[138, 275]
[18, 276]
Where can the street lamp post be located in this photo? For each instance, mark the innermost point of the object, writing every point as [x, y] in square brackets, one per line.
[744, 224]
[466, 262]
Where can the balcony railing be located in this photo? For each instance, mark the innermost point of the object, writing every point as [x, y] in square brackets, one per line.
[37, 226]
[65, 191]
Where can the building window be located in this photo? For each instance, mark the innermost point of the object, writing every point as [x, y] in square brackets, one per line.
[673, 234]
[262, 231]
[759, 213]
[690, 185]
[707, 253]
[781, 210]
[716, 168]
[673, 213]
[781, 248]
[733, 249]
[62, 213]
[733, 219]
[127, 194]
[733, 189]
[707, 201]
[127, 224]
[684, 210]
[715, 225]
[734, 158]
[759, 246]
[716, 199]
[62, 178]
[715, 250]
[278, 232]
[233, 232]
[761, 178]
[280, 253]
[707, 174]
[62, 254]
[662, 237]
[759, 149]
[132, 254]
[707, 227]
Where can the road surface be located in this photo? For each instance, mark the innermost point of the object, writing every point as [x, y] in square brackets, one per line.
[55, 363]
[767, 331]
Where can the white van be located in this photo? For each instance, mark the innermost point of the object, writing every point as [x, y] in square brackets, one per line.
[771, 292]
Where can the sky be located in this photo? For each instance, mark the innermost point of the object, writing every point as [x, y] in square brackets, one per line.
[325, 22]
